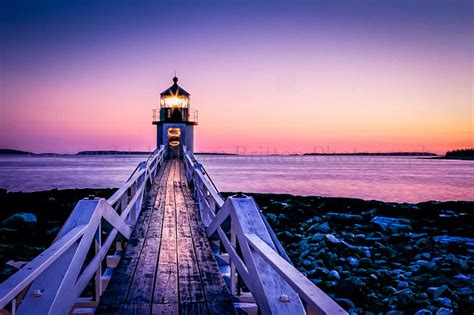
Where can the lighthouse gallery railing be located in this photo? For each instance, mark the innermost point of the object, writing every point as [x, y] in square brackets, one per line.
[255, 254]
[53, 281]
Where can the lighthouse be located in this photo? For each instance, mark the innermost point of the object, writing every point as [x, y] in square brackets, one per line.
[175, 120]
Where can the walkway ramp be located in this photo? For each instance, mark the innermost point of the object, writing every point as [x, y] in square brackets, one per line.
[168, 266]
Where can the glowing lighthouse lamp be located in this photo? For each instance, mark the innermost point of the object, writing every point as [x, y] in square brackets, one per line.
[175, 120]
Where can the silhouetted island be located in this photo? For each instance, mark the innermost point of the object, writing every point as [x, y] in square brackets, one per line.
[379, 153]
[15, 152]
[462, 154]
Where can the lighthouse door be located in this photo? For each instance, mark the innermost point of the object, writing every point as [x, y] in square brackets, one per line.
[174, 142]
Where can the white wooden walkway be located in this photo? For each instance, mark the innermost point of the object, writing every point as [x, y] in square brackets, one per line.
[168, 266]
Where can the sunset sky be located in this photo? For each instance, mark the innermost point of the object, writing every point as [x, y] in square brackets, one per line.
[288, 76]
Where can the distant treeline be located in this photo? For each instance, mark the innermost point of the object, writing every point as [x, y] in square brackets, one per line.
[461, 153]
[110, 152]
[379, 154]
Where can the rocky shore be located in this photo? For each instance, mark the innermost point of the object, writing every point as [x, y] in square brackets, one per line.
[378, 257]
[371, 256]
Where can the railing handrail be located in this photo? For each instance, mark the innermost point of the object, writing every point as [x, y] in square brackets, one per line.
[192, 114]
[128, 198]
[256, 260]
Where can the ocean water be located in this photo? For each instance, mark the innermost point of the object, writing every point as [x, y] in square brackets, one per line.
[387, 178]
[34, 173]
[401, 179]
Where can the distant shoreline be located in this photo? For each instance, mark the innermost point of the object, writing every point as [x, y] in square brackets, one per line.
[428, 155]
[116, 152]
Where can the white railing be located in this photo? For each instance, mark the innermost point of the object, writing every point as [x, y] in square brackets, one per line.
[255, 255]
[52, 283]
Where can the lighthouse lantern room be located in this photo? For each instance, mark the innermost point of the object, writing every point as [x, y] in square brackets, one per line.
[175, 120]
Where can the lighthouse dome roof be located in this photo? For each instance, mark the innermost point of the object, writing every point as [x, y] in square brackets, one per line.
[175, 90]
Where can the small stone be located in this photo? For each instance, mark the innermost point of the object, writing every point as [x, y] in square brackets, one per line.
[272, 218]
[345, 304]
[425, 256]
[423, 312]
[306, 263]
[353, 261]
[317, 237]
[436, 292]
[414, 268]
[333, 239]
[333, 274]
[422, 263]
[461, 277]
[444, 311]
[323, 227]
[402, 285]
[442, 301]
[20, 218]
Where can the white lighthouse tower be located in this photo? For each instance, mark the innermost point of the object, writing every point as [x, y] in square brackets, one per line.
[175, 120]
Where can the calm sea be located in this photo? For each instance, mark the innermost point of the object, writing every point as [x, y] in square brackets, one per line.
[402, 179]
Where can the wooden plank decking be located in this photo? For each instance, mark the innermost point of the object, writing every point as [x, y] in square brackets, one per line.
[168, 266]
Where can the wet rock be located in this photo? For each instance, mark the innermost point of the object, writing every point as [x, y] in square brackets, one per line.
[444, 311]
[343, 217]
[54, 231]
[423, 263]
[405, 298]
[318, 237]
[353, 261]
[393, 224]
[422, 244]
[323, 227]
[461, 277]
[425, 256]
[272, 218]
[444, 302]
[333, 274]
[436, 292]
[19, 219]
[346, 304]
[285, 235]
[402, 285]
[307, 263]
[333, 239]
[371, 213]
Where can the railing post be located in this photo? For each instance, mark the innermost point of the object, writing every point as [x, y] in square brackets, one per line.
[98, 273]
[123, 202]
[233, 273]
[132, 215]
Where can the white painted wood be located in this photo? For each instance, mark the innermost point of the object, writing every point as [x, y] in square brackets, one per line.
[267, 286]
[217, 221]
[112, 261]
[58, 272]
[311, 294]
[267, 282]
[12, 286]
[98, 272]
[246, 308]
[233, 270]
